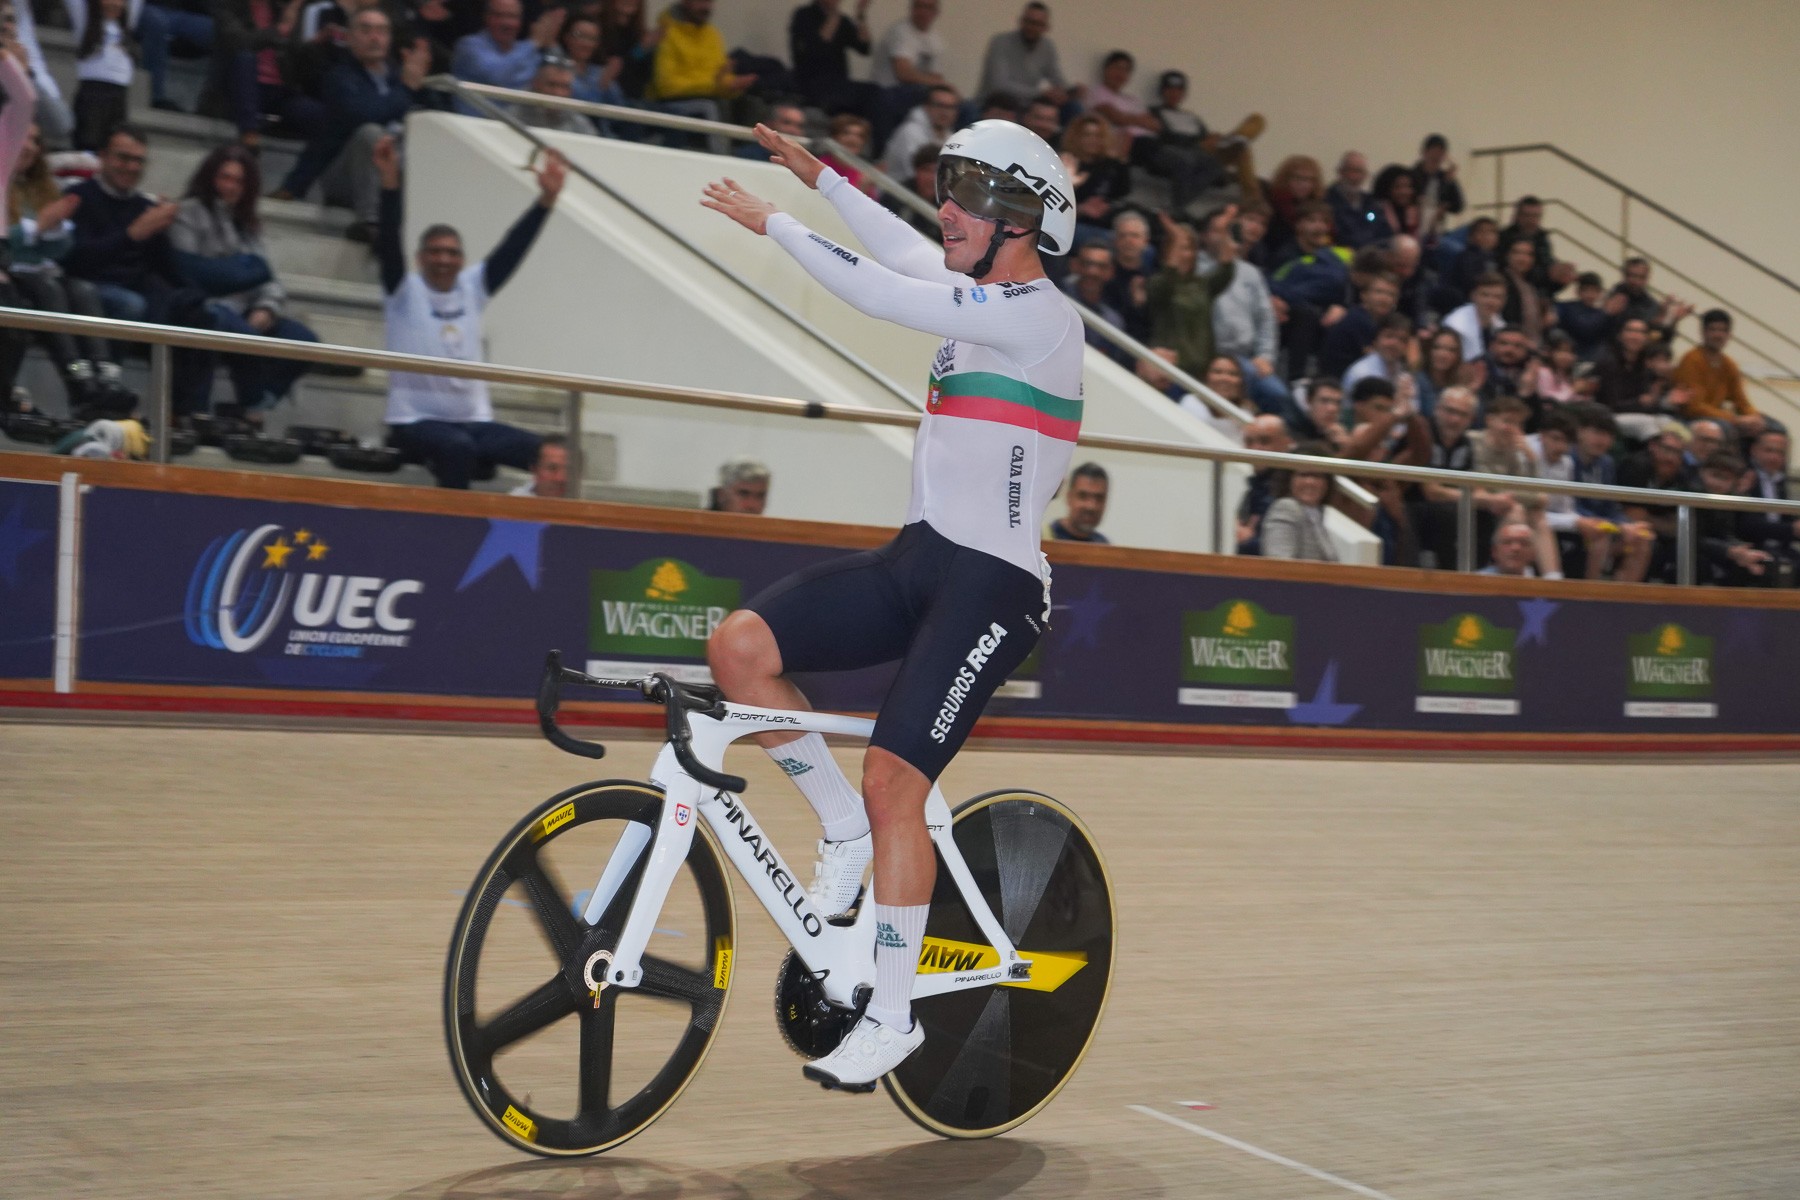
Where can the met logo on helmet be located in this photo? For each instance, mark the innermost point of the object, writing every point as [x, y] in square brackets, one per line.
[1047, 191]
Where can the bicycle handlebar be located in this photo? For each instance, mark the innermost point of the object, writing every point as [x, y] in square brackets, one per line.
[677, 700]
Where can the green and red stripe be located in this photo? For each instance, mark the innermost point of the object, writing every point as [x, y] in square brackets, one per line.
[984, 396]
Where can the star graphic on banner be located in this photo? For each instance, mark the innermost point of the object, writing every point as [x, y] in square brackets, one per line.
[517, 540]
[1085, 615]
[302, 536]
[277, 552]
[15, 540]
[316, 551]
[1323, 708]
[1536, 614]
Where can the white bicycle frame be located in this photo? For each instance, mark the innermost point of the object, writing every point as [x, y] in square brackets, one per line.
[843, 955]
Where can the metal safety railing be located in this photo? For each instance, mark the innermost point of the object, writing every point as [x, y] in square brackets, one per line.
[164, 339]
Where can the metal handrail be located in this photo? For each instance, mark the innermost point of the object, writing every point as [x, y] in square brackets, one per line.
[1742, 312]
[162, 337]
[476, 97]
[1500, 152]
[886, 182]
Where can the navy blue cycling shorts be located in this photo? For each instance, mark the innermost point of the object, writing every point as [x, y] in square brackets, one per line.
[959, 620]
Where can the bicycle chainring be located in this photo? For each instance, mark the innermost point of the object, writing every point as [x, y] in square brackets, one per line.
[811, 1025]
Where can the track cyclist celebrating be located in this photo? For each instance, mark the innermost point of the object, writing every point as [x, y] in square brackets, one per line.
[961, 595]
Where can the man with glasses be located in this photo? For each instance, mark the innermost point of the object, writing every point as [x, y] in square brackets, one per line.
[1266, 432]
[929, 124]
[121, 242]
[1660, 466]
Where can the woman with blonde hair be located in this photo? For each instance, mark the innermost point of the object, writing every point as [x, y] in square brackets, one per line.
[1297, 181]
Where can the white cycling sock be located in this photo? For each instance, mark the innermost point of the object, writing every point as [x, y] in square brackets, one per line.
[899, 937]
[809, 764]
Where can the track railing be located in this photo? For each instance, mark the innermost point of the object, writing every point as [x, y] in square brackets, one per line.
[163, 340]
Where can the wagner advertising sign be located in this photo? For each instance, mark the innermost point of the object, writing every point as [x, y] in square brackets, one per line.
[1669, 673]
[658, 612]
[1237, 655]
[1466, 665]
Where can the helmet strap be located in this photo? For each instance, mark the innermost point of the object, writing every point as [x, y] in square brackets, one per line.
[1000, 238]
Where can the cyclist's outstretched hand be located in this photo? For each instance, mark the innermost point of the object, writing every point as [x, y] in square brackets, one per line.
[750, 211]
[790, 154]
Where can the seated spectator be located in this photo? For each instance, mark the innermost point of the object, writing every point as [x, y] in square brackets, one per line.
[39, 236]
[785, 118]
[1086, 496]
[1528, 226]
[1473, 263]
[1265, 432]
[121, 241]
[448, 422]
[1294, 526]
[1324, 420]
[56, 123]
[1244, 322]
[693, 76]
[1526, 308]
[1350, 338]
[1181, 301]
[363, 99]
[1089, 275]
[498, 56]
[1660, 466]
[1354, 215]
[743, 488]
[624, 39]
[1479, 319]
[1295, 184]
[1397, 200]
[1100, 178]
[252, 39]
[549, 470]
[555, 77]
[1510, 369]
[1715, 386]
[820, 40]
[1023, 63]
[1432, 507]
[921, 181]
[1441, 368]
[1706, 438]
[1188, 169]
[852, 133]
[1585, 542]
[1556, 369]
[1313, 285]
[1583, 318]
[1628, 382]
[930, 124]
[103, 66]
[910, 56]
[1667, 394]
[592, 78]
[1631, 298]
[999, 106]
[1604, 539]
[1253, 235]
[1387, 359]
[1134, 262]
[1043, 118]
[1402, 257]
[1185, 132]
[1434, 180]
[1776, 533]
[1723, 556]
[217, 240]
[1516, 549]
[1225, 378]
[1499, 448]
[1385, 427]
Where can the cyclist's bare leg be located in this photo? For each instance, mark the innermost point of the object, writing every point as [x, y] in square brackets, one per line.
[905, 865]
[746, 664]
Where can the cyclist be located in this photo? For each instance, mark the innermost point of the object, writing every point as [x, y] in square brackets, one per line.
[960, 596]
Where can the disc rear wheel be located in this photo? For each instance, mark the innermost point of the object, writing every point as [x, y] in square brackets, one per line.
[551, 1063]
[994, 1056]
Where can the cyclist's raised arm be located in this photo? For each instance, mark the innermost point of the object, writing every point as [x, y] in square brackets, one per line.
[888, 238]
[996, 315]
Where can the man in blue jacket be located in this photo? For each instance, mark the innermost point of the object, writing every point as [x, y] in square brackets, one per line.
[363, 97]
[1314, 285]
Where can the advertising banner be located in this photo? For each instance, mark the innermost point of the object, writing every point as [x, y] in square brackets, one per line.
[183, 589]
[28, 520]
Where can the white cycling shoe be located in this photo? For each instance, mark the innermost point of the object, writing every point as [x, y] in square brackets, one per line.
[838, 875]
[869, 1051]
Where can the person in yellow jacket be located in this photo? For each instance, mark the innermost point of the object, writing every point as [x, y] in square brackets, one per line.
[692, 74]
[1714, 384]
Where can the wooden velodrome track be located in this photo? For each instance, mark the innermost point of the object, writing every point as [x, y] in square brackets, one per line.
[222, 953]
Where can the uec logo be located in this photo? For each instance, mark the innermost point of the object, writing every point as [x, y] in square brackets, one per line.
[235, 601]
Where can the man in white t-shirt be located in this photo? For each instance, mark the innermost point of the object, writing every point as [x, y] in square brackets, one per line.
[1480, 318]
[445, 421]
[910, 53]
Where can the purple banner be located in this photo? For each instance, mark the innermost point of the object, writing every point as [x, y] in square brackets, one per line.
[204, 590]
[28, 518]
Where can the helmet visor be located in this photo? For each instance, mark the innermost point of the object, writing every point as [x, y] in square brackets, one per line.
[993, 195]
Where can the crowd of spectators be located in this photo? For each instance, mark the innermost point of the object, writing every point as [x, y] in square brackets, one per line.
[1360, 313]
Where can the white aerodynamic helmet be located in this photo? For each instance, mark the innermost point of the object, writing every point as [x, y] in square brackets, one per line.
[1003, 172]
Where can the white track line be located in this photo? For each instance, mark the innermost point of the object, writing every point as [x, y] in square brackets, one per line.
[1247, 1148]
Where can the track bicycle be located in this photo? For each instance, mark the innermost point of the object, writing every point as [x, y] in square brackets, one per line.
[575, 1019]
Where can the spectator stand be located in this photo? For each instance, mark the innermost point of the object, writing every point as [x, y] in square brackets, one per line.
[575, 386]
[1649, 230]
